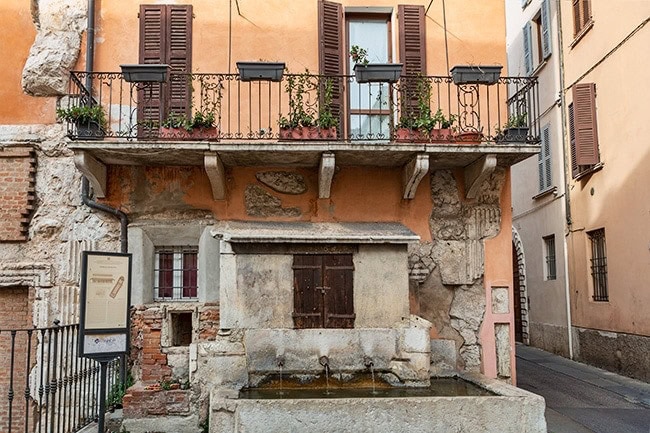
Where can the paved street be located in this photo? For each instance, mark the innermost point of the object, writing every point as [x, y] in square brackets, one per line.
[583, 399]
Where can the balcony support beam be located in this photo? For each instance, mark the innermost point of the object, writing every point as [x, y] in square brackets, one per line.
[326, 174]
[477, 172]
[94, 171]
[413, 173]
[216, 174]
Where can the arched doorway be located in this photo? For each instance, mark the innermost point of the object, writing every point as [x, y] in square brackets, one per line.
[520, 294]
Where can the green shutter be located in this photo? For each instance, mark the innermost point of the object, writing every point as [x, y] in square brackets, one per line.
[528, 49]
[546, 29]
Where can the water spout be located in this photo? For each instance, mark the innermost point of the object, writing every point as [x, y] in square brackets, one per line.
[367, 361]
[325, 362]
[280, 360]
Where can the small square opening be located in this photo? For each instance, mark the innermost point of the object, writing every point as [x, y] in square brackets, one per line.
[181, 328]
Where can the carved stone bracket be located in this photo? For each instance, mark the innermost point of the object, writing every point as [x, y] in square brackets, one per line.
[26, 274]
[413, 173]
[326, 174]
[477, 172]
[94, 171]
[216, 174]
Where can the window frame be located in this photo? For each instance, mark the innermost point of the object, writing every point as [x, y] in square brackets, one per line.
[598, 271]
[179, 272]
[550, 258]
[582, 17]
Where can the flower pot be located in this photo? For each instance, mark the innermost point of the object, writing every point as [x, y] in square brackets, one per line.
[475, 74]
[511, 135]
[308, 133]
[436, 135]
[377, 72]
[254, 71]
[89, 131]
[197, 134]
[145, 73]
[469, 137]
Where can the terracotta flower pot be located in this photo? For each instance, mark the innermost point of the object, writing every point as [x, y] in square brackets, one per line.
[197, 134]
[308, 133]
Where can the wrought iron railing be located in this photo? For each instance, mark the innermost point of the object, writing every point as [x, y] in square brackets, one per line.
[45, 387]
[303, 106]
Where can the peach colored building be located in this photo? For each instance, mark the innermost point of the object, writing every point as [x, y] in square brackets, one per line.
[289, 210]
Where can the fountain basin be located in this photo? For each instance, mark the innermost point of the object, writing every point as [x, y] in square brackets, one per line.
[507, 410]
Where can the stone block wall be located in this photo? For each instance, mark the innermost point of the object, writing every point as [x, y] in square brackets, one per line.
[141, 402]
[17, 176]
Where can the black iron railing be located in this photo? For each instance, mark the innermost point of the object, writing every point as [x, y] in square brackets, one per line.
[301, 106]
[45, 387]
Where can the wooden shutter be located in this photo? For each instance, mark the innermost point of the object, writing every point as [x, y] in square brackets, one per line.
[331, 58]
[338, 300]
[572, 142]
[189, 275]
[153, 37]
[528, 48]
[166, 275]
[544, 160]
[179, 57]
[307, 301]
[412, 37]
[586, 131]
[546, 29]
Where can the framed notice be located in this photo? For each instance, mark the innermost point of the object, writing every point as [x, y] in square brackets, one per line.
[105, 300]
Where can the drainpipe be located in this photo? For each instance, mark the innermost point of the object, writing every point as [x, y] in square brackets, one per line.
[567, 199]
[85, 185]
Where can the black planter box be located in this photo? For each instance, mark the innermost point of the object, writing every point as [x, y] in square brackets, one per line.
[256, 71]
[145, 73]
[89, 131]
[475, 74]
[514, 135]
[378, 72]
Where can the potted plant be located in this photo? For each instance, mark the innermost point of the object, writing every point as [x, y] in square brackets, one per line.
[89, 120]
[145, 73]
[366, 72]
[201, 126]
[479, 74]
[303, 122]
[514, 130]
[267, 71]
[417, 124]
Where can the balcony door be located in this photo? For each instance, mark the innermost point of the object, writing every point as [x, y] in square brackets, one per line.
[369, 110]
[165, 38]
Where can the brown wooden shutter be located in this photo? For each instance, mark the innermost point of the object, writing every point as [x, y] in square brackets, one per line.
[585, 127]
[572, 142]
[331, 58]
[412, 37]
[307, 301]
[179, 57]
[153, 37]
[190, 284]
[165, 275]
[338, 300]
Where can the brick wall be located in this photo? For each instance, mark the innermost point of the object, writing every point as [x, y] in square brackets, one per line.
[15, 313]
[17, 177]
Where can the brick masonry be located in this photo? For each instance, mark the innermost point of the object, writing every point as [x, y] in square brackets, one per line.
[16, 305]
[17, 180]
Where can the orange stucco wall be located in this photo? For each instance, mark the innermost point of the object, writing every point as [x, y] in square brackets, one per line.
[17, 33]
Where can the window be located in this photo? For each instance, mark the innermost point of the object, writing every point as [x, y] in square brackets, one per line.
[544, 160]
[175, 273]
[581, 15]
[583, 129]
[323, 291]
[537, 39]
[598, 264]
[549, 257]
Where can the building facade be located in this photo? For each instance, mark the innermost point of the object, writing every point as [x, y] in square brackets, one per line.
[272, 221]
[606, 259]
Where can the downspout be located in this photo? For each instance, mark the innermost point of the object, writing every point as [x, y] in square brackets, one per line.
[567, 199]
[85, 185]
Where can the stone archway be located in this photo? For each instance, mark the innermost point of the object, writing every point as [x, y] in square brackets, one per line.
[519, 273]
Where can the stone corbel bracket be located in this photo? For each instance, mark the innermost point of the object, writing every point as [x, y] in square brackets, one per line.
[216, 174]
[477, 172]
[94, 170]
[326, 174]
[25, 275]
[413, 173]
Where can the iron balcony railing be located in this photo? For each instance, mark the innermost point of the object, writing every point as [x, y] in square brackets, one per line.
[301, 106]
[44, 386]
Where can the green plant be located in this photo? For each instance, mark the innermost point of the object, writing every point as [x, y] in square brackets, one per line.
[199, 120]
[83, 114]
[517, 121]
[419, 116]
[117, 391]
[297, 86]
[359, 55]
[325, 117]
